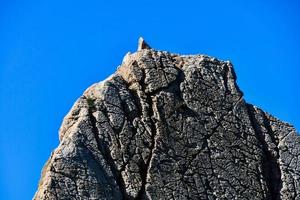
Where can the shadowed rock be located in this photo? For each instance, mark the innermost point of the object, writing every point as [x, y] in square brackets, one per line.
[169, 126]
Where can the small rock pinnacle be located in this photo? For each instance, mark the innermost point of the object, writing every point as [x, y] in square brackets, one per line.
[142, 44]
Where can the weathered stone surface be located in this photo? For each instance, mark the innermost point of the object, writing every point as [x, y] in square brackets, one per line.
[168, 126]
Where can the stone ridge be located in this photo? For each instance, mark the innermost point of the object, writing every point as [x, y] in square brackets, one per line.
[168, 126]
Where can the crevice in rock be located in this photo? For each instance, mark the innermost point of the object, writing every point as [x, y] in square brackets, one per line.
[225, 78]
[270, 166]
[106, 155]
[144, 167]
[173, 87]
[276, 172]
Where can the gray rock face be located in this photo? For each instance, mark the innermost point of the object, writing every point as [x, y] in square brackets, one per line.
[168, 126]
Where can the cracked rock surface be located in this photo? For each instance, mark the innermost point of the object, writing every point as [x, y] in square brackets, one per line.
[169, 126]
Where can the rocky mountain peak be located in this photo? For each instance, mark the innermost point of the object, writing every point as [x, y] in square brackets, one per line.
[170, 126]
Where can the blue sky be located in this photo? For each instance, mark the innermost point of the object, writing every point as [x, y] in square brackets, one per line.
[51, 51]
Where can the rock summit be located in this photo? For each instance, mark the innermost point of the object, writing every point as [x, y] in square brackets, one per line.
[170, 126]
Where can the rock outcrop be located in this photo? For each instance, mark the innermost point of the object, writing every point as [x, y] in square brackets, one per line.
[169, 126]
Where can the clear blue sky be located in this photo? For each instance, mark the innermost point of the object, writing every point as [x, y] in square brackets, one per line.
[51, 51]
